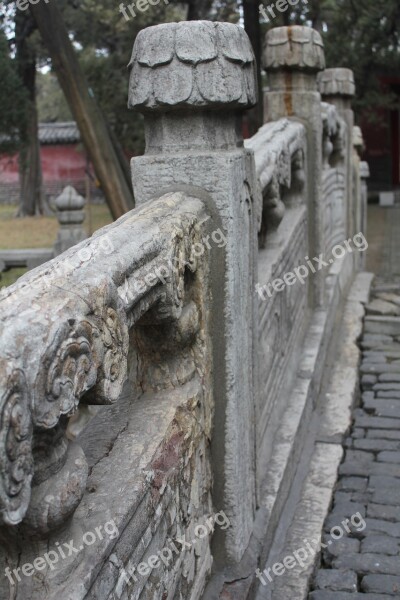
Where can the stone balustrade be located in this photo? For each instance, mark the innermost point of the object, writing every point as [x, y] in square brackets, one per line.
[180, 322]
[74, 315]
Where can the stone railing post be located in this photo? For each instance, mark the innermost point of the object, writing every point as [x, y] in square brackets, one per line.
[191, 81]
[293, 56]
[338, 88]
[70, 214]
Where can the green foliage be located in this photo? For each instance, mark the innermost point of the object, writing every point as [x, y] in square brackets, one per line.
[51, 103]
[364, 36]
[104, 40]
[13, 101]
[225, 10]
[108, 79]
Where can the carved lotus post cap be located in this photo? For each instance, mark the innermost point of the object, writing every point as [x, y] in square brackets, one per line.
[294, 48]
[337, 82]
[192, 64]
[69, 199]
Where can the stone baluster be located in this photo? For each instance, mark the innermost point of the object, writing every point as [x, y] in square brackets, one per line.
[338, 88]
[293, 56]
[70, 215]
[364, 174]
[191, 81]
[359, 208]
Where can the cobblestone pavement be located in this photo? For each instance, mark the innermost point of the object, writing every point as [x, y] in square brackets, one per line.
[364, 563]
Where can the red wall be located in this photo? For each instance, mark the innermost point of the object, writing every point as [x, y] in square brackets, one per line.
[59, 163]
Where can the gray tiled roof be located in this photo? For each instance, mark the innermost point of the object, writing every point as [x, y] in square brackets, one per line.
[59, 133]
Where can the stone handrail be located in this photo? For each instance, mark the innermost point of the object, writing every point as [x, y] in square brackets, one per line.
[65, 333]
[279, 152]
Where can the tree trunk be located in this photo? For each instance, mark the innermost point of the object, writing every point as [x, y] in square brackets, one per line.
[30, 171]
[253, 30]
[316, 15]
[88, 115]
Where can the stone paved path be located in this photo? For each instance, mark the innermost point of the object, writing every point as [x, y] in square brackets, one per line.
[364, 564]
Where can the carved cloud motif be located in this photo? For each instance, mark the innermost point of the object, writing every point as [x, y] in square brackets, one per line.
[68, 371]
[16, 462]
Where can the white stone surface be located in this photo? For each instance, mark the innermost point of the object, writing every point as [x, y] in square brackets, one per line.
[386, 198]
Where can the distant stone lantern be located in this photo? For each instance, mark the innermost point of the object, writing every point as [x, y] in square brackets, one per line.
[70, 214]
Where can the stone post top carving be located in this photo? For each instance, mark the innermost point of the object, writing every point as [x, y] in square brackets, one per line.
[364, 170]
[196, 64]
[294, 48]
[358, 140]
[69, 199]
[337, 82]
[69, 205]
